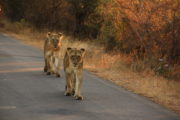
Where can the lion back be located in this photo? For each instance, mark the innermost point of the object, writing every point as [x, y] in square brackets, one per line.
[47, 43]
[66, 61]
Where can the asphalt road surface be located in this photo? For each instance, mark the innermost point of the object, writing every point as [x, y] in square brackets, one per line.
[26, 93]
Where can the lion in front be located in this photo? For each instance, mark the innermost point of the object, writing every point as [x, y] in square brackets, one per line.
[52, 47]
[73, 67]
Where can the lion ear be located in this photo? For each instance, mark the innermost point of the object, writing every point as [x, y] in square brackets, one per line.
[60, 36]
[68, 50]
[82, 51]
[59, 33]
[48, 34]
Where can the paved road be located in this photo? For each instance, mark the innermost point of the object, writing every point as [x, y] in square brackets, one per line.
[26, 93]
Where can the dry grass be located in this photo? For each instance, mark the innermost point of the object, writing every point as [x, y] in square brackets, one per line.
[156, 88]
[118, 69]
[114, 67]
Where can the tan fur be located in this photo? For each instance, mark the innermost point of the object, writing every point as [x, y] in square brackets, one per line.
[52, 48]
[73, 67]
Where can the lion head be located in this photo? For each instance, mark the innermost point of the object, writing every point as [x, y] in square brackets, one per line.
[55, 39]
[76, 56]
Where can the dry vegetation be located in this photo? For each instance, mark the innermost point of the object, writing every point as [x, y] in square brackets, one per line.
[116, 67]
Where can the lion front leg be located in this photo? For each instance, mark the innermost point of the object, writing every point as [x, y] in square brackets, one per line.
[45, 66]
[48, 66]
[51, 63]
[73, 84]
[78, 84]
[57, 67]
[48, 62]
[68, 88]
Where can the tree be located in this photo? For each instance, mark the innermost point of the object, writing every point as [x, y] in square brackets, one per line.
[81, 10]
[14, 9]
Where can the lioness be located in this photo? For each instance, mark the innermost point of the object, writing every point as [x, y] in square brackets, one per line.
[52, 48]
[73, 67]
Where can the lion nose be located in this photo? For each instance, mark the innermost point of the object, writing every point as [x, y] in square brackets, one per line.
[55, 46]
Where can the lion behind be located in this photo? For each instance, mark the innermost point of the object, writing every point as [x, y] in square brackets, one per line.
[52, 49]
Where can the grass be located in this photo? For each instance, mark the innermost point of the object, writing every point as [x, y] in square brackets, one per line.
[118, 68]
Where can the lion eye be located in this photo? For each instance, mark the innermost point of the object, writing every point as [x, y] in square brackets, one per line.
[78, 57]
[72, 57]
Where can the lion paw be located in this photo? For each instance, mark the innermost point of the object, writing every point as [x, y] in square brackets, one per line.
[48, 73]
[45, 69]
[78, 97]
[67, 94]
[58, 75]
[73, 92]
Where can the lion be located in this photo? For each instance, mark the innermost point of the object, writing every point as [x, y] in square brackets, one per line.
[52, 48]
[73, 68]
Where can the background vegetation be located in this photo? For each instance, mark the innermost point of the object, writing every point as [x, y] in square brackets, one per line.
[148, 30]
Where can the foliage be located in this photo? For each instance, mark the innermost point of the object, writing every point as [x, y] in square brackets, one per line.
[148, 30]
